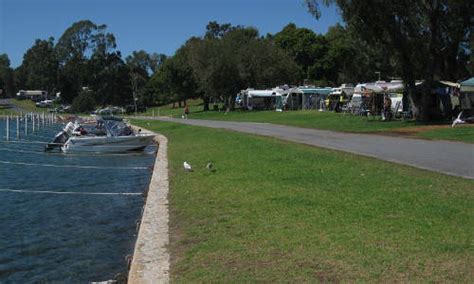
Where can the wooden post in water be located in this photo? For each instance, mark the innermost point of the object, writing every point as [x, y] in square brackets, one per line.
[8, 128]
[26, 124]
[33, 121]
[17, 127]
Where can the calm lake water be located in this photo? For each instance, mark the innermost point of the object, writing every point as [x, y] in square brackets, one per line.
[67, 237]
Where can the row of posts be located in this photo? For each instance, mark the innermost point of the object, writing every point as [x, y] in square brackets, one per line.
[31, 120]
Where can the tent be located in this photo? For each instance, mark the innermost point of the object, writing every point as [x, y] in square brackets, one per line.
[467, 86]
[466, 98]
[262, 99]
[312, 96]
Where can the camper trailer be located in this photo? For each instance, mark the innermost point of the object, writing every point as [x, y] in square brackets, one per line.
[34, 95]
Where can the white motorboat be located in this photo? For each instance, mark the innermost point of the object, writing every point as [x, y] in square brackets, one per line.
[108, 136]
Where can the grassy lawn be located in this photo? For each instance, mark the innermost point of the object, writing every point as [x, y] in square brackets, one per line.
[168, 110]
[326, 121]
[280, 211]
[27, 105]
[463, 133]
[5, 110]
[24, 105]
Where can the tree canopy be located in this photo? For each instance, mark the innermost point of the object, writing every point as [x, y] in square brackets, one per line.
[412, 40]
[224, 61]
[6, 76]
[428, 39]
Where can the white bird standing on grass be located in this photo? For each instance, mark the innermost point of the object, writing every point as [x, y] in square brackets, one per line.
[458, 120]
[187, 167]
[210, 167]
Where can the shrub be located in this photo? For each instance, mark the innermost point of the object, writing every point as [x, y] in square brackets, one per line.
[84, 102]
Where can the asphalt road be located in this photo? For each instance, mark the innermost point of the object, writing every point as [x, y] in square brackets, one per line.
[7, 102]
[453, 158]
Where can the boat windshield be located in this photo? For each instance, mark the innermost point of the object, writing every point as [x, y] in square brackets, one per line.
[117, 128]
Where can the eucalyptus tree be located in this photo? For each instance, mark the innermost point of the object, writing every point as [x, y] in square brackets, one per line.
[142, 66]
[83, 51]
[174, 80]
[230, 59]
[144, 63]
[39, 68]
[304, 46]
[429, 39]
[6, 77]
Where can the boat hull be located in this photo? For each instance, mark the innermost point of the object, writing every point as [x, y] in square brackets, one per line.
[105, 144]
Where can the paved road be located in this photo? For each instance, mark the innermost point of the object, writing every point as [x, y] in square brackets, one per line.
[454, 158]
[8, 102]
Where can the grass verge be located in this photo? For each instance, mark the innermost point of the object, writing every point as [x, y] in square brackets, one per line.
[280, 211]
[464, 133]
[27, 105]
[326, 121]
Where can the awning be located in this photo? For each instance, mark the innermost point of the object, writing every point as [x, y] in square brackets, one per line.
[450, 84]
[319, 91]
[263, 93]
[468, 85]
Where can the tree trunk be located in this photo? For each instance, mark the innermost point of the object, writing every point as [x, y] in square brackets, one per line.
[206, 103]
[226, 103]
[232, 103]
[424, 114]
[179, 104]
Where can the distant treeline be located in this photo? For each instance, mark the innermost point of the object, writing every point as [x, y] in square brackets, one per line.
[413, 40]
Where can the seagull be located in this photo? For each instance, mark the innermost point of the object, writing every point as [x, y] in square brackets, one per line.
[187, 167]
[210, 167]
[458, 120]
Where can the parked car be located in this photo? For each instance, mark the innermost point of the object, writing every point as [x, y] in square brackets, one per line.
[61, 109]
[45, 103]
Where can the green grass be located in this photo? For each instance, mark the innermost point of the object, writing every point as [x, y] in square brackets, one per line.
[463, 133]
[169, 110]
[27, 105]
[321, 120]
[5, 110]
[23, 105]
[280, 211]
[308, 119]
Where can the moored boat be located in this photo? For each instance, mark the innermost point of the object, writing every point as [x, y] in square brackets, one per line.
[107, 136]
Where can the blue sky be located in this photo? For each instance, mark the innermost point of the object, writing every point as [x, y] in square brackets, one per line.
[159, 26]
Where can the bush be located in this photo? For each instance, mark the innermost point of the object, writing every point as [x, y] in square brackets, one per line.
[84, 102]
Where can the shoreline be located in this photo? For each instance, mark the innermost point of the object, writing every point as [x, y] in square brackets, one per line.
[151, 259]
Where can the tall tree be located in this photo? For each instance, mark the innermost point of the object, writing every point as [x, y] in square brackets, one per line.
[6, 77]
[174, 80]
[143, 62]
[84, 50]
[236, 58]
[304, 45]
[428, 38]
[39, 68]
[111, 81]
[142, 66]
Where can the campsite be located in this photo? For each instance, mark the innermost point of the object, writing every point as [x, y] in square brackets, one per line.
[290, 141]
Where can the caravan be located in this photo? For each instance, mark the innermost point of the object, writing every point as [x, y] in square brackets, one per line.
[35, 95]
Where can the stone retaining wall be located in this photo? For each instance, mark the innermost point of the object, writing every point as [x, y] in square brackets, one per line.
[150, 263]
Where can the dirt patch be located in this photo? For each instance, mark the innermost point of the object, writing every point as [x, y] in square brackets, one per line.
[411, 131]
